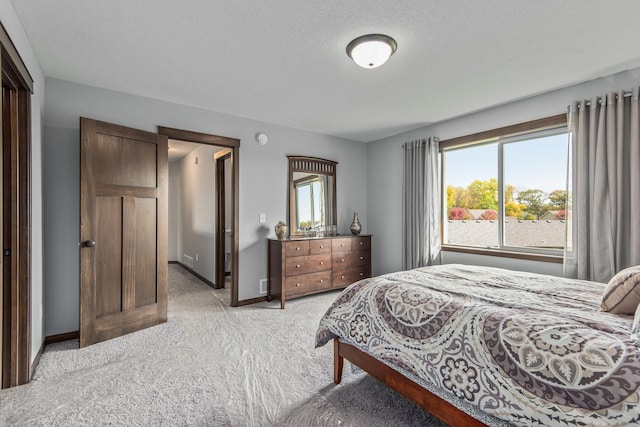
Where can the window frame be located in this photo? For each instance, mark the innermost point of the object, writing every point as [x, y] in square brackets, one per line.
[501, 136]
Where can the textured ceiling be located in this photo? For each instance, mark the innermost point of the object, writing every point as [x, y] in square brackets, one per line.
[284, 61]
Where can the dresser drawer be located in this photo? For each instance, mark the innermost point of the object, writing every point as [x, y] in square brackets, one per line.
[361, 243]
[296, 248]
[351, 259]
[308, 264]
[308, 283]
[322, 246]
[342, 278]
[341, 245]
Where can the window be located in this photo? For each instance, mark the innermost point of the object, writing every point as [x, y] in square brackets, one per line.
[507, 193]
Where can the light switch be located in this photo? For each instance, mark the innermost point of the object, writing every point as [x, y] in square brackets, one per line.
[263, 218]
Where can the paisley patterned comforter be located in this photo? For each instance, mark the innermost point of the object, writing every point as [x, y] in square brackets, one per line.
[529, 349]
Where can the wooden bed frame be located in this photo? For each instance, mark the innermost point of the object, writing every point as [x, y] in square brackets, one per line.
[411, 390]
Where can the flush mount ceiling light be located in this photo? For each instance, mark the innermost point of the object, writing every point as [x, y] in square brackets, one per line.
[371, 50]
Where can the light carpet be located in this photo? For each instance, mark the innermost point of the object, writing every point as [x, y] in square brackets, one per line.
[209, 365]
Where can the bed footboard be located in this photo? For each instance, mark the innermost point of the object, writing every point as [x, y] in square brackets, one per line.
[435, 405]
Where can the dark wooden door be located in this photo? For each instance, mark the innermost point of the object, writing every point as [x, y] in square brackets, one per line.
[123, 230]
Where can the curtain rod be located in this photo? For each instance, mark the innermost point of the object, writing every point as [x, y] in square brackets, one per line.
[625, 94]
[419, 140]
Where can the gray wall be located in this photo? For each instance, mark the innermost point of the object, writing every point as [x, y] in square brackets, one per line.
[263, 179]
[14, 28]
[61, 152]
[385, 162]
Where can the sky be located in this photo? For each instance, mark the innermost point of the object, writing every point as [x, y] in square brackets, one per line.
[532, 164]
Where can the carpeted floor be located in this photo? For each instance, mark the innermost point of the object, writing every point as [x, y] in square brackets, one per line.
[209, 365]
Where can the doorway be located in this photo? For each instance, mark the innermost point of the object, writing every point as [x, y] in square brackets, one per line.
[15, 233]
[229, 156]
[224, 217]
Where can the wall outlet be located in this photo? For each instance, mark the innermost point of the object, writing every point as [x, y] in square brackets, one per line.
[197, 257]
[263, 286]
[263, 218]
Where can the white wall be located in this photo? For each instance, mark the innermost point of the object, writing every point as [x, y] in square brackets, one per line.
[174, 210]
[262, 169]
[198, 214]
[385, 163]
[14, 28]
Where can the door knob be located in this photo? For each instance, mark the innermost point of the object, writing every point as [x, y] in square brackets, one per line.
[88, 243]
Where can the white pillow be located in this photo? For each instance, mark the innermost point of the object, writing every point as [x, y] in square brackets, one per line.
[622, 294]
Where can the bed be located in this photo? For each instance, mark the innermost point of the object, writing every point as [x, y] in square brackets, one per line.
[487, 346]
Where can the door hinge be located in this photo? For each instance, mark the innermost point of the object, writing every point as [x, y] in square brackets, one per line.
[6, 252]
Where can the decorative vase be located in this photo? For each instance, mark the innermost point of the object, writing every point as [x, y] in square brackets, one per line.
[281, 230]
[355, 228]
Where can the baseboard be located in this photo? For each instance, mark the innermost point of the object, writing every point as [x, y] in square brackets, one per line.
[195, 273]
[36, 360]
[251, 301]
[51, 339]
[210, 283]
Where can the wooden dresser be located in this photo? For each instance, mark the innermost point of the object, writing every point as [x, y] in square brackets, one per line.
[300, 267]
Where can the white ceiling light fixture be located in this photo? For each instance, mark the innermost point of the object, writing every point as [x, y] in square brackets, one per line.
[371, 50]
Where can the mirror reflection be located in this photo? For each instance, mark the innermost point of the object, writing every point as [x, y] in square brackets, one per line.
[312, 207]
[313, 200]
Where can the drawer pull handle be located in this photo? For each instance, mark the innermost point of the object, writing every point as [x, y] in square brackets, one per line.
[341, 259]
[362, 274]
[321, 246]
[321, 280]
[342, 277]
[297, 249]
[297, 265]
[361, 257]
[341, 244]
[361, 243]
[297, 284]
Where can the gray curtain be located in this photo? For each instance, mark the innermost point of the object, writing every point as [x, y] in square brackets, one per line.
[421, 204]
[603, 233]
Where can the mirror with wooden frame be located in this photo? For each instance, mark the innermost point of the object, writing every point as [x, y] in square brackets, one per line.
[312, 197]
